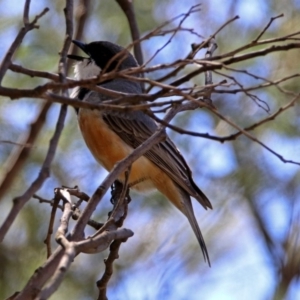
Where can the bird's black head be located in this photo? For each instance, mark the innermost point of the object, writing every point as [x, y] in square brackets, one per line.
[106, 55]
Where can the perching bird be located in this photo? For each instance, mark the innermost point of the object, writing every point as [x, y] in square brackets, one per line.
[112, 135]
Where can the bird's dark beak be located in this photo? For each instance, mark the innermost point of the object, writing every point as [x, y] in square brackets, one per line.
[75, 57]
[82, 46]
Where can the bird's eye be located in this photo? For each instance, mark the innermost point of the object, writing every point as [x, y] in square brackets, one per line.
[89, 61]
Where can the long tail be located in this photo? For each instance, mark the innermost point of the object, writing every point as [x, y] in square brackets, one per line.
[189, 212]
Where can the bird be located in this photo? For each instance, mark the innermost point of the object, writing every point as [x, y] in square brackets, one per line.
[112, 135]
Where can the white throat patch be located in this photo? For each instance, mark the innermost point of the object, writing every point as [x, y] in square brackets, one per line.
[83, 70]
[86, 69]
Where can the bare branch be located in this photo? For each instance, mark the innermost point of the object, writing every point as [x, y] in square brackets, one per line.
[128, 9]
[18, 158]
[19, 38]
[76, 213]
[67, 258]
[20, 201]
[33, 73]
[267, 26]
[113, 255]
[26, 12]
[16, 144]
[251, 137]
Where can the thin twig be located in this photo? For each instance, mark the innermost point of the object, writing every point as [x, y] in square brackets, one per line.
[47, 240]
[254, 139]
[16, 144]
[20, 201]
[128, 9]
[267, 26]
[17, 159]
[19, 38]
[66, 259]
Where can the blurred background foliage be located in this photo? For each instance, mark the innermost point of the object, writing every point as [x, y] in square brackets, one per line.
[253, 193]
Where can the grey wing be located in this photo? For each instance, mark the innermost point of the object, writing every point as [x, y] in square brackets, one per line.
[134, 128]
